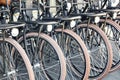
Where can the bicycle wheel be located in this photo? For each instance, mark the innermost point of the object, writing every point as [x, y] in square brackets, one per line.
[75, 51]
[48, 62]
[112, 30]
[14, 65]
[99, 49]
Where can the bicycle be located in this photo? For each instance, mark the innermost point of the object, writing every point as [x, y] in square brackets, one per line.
[70, 43]
[44, 53]
[95, 40]
[14, 63]
[111, 28]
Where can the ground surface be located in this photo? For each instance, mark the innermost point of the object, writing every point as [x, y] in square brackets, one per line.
[113, 75]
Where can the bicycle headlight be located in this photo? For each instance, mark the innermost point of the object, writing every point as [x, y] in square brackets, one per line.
[49, 28]
[96, 19]
[14, 32]
[114, 15]
[72, 23]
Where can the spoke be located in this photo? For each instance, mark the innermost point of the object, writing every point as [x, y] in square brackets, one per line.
[51, 67]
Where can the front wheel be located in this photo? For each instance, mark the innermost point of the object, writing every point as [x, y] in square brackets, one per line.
[112, 30]
[14, 63]
[75, 52]
[45, 55]
[98, 47]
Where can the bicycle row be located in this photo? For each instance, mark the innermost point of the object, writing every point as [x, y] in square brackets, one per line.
[58, 39]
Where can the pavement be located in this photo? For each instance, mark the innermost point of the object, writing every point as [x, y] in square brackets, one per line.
[113, 75]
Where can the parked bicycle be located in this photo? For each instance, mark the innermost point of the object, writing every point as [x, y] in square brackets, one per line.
[14, 63]
[95, 39]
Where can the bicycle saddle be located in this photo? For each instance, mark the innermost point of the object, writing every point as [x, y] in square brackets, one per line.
[7, 10]
[93, 14]
[68, 18]
[111, 10]
[47, 21]
[8, 26]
